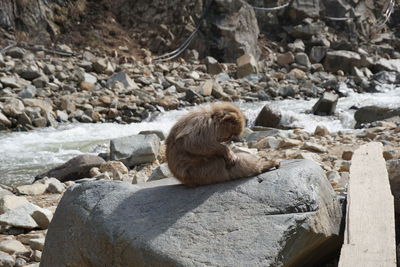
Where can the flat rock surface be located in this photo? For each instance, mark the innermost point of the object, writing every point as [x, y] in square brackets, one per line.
[275, 219]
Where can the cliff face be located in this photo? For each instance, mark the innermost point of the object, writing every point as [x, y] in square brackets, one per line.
[40, 20]
[82, 22]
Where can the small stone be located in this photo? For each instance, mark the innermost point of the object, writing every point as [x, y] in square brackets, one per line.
[49, 69]
[24, 119]
[62, 116]
[37, 255]
[321, 130]
[24, 238]
[42, 217]
[194, 75]
[54, 186]
[104, 176]
[100, 65]
[347, 155]
[218, 91]
[32, 189]
[297, 46]
[341, 60]
[9, 82]
[15, 52]
[333, 177]
[386, 124]
[139, 178]
[287, 142]
[273, 142]
[298, 74]
[160, 172]
[13, 107]
[213, 67]
[206, 88]
[246, 65]
[4, 120]
[136, 149]
[37, 244]
[159, 133]
[86, 86]
[20, 262]
[314, 147]
[30, 72]
[344, 166]
[39, 122]
[310, 156]
[67, 105]
[29, 92]
[6, 260]
[388, 155]
[12, 247]
[94, 172]
[268, 117]
[123, 78]
[303, 60]
[44, 105]
[326, 104]
[114, 166]
[317, 53]
[9, 202]
[285, 59]
[69, 183]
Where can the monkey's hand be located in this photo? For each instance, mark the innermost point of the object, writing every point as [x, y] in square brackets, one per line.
[230, 160]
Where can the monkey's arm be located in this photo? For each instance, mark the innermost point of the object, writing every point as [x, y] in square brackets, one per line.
[209, 149]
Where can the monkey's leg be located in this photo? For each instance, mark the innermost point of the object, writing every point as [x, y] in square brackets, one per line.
[247, 165]
[211, 172]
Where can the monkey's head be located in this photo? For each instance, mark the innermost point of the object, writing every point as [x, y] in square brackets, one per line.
[229, 121]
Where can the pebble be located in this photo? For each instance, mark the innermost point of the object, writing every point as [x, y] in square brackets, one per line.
[33, 189]
[37, 244]
[9, 202]
[347, 155]
[6, 260]
[12, 247]
[315, 147]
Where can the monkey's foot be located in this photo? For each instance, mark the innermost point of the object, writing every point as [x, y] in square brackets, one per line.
[269, 164]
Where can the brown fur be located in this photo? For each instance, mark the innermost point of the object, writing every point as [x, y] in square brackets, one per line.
[195, 152]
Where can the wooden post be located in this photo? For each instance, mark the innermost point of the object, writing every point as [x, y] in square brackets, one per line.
[369, 239]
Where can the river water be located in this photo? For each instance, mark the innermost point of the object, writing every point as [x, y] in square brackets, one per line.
[23, 155]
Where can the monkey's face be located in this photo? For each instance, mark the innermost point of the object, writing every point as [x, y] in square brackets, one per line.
[231, 125]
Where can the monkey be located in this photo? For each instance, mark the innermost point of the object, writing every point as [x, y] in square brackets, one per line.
[195, 153]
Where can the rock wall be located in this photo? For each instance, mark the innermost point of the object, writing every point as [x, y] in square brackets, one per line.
[37, 20]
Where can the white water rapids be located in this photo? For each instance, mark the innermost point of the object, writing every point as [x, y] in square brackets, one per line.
[23, 155]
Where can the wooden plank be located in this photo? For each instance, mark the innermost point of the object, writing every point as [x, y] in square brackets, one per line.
[369, 239]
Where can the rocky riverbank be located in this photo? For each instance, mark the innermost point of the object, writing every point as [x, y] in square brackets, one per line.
[39, 90]
[27, 209]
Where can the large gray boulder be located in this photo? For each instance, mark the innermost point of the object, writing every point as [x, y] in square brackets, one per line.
[268, 117]
[74, 169]
[326, 104]
[374, 113]
[393, 167]
[342, 60]
[136, 149]
[287, 217]
[231, 30]
[388, 65]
